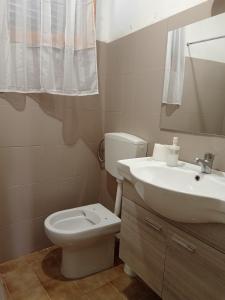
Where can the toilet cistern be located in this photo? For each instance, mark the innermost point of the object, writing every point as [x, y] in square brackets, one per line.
[206, 163]
[120, 145]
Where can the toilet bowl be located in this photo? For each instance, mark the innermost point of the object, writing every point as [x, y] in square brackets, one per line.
[86, 235]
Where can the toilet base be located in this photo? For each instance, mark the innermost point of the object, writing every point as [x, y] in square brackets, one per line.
[129, 271]
[77, 263]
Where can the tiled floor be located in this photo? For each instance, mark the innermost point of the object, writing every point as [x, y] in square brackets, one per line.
[37, 277]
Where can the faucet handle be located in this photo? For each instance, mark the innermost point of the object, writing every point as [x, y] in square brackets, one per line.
[209, 157]
[206, 163]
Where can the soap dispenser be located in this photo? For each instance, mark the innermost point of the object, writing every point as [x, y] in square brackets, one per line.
[173, 153]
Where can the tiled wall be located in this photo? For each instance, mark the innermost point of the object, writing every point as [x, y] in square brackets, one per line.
[48, 162]
[135, 76]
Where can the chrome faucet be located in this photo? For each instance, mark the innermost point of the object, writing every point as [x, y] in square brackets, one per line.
[206, 163]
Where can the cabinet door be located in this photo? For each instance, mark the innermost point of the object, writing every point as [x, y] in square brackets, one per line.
[143, 244]
[193, 270]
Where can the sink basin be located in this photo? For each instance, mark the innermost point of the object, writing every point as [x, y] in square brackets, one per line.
[180, 193]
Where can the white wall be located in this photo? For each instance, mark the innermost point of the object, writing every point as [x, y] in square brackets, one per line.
[117, 18]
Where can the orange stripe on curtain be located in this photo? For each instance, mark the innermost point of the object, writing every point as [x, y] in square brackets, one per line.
[95, 8]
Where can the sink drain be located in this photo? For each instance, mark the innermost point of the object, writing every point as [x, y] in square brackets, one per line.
[197, 177]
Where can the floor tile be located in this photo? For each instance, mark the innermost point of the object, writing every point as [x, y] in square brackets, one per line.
[40, 255]
[47, 268]
[133, 288]
[62, 290]
[20, 279]
[37, 293]
[11, 265]
[37, 276]
[99, 279]
[108, 291]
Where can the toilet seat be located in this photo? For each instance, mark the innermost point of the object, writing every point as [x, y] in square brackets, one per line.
[78, 224]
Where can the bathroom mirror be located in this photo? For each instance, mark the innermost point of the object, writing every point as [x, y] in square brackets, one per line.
[194, 84]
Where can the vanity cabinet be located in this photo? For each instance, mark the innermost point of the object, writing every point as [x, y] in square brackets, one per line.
[143, 244]
[193, 270]
[176, 265]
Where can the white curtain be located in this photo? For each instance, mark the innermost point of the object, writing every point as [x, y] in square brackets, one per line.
[175, 67]
[48, 46]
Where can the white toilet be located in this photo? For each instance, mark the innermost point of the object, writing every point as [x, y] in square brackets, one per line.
[87, 234]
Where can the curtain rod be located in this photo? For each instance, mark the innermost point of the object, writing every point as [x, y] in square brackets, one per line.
[206, 40]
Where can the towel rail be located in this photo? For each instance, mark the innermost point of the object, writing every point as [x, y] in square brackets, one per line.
[206, 40]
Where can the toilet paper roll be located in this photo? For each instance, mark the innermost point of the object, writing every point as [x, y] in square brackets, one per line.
[160, 152]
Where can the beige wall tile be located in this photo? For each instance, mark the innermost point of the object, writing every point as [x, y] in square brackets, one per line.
[22, 238]
[102, 53]
[52, 130]
[90, 103]
[90, 125]
[48, 199]
[47, 161]
[19, 165]
[148, 90]
[108, 190]
[19, 203]
[50, 168]
[19, 128]
[67, 161]
[70, 191]
[112, 121]
[114, 93]
[151, 52]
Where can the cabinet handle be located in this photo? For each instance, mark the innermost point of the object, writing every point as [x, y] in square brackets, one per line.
[183, 244]
[153, 225]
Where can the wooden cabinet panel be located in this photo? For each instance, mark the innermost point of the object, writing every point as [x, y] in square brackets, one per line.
[193, 270]
[143, 244]
[211, 233]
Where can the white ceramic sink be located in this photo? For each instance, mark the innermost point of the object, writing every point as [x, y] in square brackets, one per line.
[180, 193]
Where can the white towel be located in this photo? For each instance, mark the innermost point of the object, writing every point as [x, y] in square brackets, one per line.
[175, 67]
